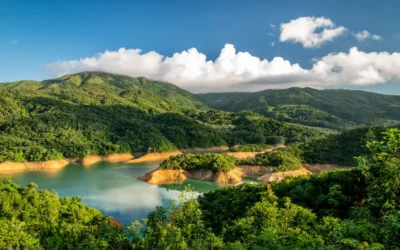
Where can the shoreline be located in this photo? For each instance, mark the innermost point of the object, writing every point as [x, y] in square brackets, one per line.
[128, 158]
[236, 175]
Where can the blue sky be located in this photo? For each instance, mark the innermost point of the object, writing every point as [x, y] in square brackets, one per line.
[35, 34]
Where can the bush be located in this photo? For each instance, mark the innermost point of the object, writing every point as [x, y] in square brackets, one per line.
[250, 148]
[282, 159]
[208, 161]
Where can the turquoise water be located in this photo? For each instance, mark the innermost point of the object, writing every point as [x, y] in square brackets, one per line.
[112, 188]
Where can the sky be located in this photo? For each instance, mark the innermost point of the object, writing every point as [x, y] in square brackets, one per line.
[207, 46]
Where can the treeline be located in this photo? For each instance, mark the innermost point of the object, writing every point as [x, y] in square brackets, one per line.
[206, 161]
[250, 148]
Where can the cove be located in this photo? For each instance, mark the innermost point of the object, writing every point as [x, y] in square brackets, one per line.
[112, 188]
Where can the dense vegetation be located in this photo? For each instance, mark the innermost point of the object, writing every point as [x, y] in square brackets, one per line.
[356, 209]
[207, 161]
[250, 148]
[335, 109]
[341, 148]
[31, 219]
[98, 114]
[281, 159]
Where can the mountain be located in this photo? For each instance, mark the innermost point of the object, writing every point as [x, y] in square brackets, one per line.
[94, 113]
[334, 108]
[111, 89]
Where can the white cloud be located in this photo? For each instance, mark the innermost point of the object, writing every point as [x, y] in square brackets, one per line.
[304, 30]
[240, 71]
[272, 25]
[362, 35]
[376, 37]
[272, 44]
[312, 32]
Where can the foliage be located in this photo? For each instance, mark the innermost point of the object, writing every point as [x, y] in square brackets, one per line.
[31, 219]
[341, 148]
[382, 171]
[206, 161]
[250, 148]
[331, 193]
[281, 159]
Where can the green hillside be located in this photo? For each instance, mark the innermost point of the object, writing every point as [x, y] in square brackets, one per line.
[357, 209]
[98, 113]
[335, 109]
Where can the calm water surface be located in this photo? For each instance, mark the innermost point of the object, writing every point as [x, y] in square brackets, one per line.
[112, 188]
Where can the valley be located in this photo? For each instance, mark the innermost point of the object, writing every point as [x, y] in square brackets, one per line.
[210, 171]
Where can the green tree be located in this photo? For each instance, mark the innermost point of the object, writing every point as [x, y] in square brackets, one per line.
[382, 171]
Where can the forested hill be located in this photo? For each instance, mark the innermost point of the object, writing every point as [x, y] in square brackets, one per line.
[98, 114]
[336, 109]
[109, 89]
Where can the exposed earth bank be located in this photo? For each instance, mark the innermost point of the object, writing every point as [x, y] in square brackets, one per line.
[56, 164]
[158, 177]
[236, 175]
[154, 157]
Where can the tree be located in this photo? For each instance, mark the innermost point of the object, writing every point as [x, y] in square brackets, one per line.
[382, 171]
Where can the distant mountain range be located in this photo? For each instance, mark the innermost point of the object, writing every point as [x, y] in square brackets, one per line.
[335, 109]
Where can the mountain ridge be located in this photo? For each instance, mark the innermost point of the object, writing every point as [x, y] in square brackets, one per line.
[333, 108]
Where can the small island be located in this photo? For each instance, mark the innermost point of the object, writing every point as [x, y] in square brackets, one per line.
[224, 168]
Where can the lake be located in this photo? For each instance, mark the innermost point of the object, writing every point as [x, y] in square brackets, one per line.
[112, 188]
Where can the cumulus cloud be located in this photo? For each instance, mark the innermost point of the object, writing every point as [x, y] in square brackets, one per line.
[362, 35]
[304, 30]
[312, 32]
[240, 71]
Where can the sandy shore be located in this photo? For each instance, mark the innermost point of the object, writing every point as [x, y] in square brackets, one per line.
[154, 157]
[15, 166]
[114, 158]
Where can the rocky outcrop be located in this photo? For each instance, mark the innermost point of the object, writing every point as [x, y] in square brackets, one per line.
[89, 160]
[155, 157]
[254, 172]
[278, 176]
[158, 177]
[55, 164]
[114, 158]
